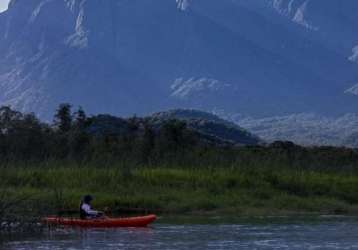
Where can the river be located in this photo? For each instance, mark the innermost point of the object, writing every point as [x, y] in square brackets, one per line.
[322, 232]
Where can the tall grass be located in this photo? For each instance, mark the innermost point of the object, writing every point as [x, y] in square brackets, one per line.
[58, 187]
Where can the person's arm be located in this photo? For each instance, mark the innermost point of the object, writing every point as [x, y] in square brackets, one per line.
[90, 211]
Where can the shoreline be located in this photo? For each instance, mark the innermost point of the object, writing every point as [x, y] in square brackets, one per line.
[177, 191]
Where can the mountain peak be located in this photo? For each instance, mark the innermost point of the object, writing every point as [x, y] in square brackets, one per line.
[259, 58]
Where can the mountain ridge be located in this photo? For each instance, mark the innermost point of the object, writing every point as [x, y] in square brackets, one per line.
[257, 58]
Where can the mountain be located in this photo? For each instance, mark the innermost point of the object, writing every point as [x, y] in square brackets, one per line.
[257, 58]
[208, 128]
[209, 125]
[304, 129]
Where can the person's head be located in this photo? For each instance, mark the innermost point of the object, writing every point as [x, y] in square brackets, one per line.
[87, 199]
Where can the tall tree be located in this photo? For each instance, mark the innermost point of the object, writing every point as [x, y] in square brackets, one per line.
[63, 118]
[8, 118]
[80, 118]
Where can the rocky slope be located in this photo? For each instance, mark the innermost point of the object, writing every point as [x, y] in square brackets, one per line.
[259, 58]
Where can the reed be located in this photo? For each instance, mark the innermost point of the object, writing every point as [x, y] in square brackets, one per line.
[55, 187]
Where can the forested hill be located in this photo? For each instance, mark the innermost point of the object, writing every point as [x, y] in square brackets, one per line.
[74, 134]
[210, 125]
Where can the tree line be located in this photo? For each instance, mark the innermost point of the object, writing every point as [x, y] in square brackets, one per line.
[75, 136]
[106, 140]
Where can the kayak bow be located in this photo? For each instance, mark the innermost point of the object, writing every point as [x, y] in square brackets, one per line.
[141, 221]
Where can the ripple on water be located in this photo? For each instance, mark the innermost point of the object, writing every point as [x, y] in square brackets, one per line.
[339, 234]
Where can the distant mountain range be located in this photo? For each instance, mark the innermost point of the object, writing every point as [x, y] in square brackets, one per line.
[303, 129]
[259, 58]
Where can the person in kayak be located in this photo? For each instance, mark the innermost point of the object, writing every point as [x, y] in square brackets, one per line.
[86, 212]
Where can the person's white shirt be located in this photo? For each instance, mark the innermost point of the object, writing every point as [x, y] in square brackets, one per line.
[87, 208]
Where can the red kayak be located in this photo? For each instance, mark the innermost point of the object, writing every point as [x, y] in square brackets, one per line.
[141, 221]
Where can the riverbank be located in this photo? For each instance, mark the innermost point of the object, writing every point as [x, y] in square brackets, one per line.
[170, 190]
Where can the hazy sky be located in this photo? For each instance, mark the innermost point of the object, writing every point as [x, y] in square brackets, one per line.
[3, 4]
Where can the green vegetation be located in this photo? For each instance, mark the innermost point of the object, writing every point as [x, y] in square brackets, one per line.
[136, 164]
[56, 188]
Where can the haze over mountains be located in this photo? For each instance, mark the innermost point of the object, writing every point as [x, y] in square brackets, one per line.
[239, 58]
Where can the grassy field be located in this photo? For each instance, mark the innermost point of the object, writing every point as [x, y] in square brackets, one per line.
[240, 191]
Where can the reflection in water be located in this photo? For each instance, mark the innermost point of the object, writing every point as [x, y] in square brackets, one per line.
[338, 234]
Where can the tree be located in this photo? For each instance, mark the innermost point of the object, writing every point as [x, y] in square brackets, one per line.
[63, 118]
[28, 138]
[79, 140]
[8, 118]
[171, 136]
[148, 143]
[133, 123]
[80, 118]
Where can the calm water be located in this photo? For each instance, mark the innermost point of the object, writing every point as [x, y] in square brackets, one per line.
[259, 233]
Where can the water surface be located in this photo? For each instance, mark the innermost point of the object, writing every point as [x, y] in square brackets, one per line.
[214, 233]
